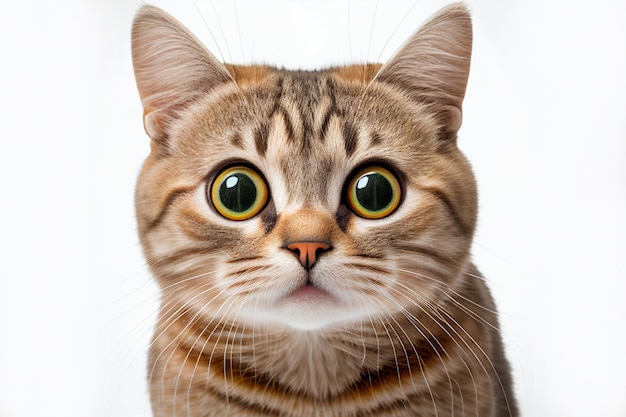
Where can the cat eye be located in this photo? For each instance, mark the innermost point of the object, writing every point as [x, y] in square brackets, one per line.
[373, 193]
[239, 193]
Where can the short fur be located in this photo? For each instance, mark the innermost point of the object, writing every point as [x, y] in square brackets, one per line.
[410, 328]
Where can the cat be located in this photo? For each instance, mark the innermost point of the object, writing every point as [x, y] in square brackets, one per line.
[311, 232]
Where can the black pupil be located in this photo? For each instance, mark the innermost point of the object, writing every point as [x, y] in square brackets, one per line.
[238, 192]
[374, 191]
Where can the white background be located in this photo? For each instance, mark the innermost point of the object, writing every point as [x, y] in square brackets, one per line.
[544, 126]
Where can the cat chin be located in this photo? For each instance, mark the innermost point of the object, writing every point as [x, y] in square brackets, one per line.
[303, 314]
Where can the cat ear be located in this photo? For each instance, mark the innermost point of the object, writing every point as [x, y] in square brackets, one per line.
[172, 69]
[433, 65]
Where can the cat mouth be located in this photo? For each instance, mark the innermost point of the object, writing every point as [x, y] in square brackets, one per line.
[310, 292]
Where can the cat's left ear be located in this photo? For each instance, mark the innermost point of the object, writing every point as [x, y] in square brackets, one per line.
[172, 69]
[432, 67]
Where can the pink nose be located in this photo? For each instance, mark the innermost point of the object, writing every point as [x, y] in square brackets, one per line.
[307, 252]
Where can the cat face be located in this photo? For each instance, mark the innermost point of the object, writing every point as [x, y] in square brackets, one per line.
[303, 199]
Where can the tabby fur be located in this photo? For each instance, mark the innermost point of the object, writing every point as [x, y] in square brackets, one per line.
[410, 329]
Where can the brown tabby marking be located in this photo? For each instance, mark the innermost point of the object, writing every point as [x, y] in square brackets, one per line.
[400, 322]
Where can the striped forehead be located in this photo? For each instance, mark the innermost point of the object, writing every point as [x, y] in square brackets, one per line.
[306, 139]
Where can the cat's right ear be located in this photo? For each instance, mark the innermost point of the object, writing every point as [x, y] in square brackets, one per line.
[172, 69]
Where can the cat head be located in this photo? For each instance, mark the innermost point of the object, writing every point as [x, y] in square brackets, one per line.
[303, 198]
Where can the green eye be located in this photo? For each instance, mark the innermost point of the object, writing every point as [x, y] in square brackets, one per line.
[239, 193]
[374, 192]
